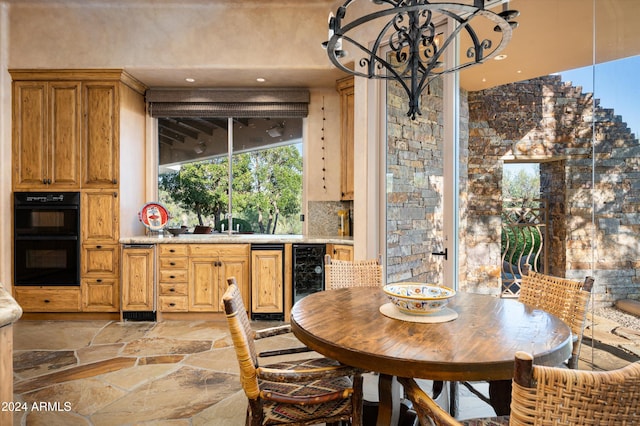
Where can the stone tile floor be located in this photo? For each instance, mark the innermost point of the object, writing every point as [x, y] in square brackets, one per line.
[175, 373]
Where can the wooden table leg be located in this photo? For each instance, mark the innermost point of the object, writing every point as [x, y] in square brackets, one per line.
[389, 395]
[500, 396]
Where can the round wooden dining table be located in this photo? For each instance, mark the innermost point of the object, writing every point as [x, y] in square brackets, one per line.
[479, 345]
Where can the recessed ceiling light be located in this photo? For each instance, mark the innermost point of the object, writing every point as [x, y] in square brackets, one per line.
[261, 79]
[500, 57]
[189, 80]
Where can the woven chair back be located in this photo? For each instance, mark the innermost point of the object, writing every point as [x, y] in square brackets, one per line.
[551, 395]
[357, 273]
[242, 335]
[564, 298]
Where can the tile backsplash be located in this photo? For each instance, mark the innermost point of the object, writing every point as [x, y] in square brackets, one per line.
[323, 217]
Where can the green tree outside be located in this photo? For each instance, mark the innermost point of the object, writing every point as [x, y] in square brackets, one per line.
[266, 196]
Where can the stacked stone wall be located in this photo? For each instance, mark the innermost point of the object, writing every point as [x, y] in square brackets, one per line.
[591, 180]
[414, 185]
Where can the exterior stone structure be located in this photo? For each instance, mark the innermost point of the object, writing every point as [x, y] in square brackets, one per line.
[594, 230]
[550, 122]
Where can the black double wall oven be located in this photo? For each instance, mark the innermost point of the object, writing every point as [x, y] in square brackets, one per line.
[46, 238]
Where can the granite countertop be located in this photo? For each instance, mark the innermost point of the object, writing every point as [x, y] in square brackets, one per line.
[10, 311]
[235, 239]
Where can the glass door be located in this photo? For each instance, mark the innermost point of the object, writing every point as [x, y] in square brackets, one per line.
[417, 247]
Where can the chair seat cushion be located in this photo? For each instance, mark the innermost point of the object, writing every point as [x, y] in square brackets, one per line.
[278, 413]
[487, 421]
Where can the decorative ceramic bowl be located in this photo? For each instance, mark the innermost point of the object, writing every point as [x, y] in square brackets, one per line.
[418, 298]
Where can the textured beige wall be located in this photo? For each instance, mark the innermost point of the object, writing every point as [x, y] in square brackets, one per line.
[225, 44]
[161, 35]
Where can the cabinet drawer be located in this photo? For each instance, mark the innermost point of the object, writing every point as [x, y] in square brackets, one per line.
[172, 249]
[219, 250]
[177, 276]
[100, 259]
[173, 303]
[173, 262]
[178, 289]
[50, 299]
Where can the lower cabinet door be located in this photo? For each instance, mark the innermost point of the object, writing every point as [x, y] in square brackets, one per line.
[137, 279]
[100, 295]
[267, 284]
[203, 285]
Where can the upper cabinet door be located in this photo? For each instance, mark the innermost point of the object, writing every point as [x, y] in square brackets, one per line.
[101, 135]
[46, 135]
[30, 144]
[100, 217]
[64, 134]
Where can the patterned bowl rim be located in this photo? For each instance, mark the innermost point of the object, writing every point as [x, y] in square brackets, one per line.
[449, 291]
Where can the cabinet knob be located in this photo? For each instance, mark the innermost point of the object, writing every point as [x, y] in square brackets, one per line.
[172, 289]
[47, 301]
[172, 304]
[115, 181]
[172, 263]
[98, 280]
[172, 251]
[98, 247]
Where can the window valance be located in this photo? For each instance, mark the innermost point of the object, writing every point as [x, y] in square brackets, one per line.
[280, 102]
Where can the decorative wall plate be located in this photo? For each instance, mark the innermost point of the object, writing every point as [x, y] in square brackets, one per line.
[154, 216]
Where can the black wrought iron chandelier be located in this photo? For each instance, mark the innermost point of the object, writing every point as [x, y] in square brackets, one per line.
[416, 49]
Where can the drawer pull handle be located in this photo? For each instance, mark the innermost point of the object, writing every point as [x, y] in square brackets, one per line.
[172, 276]
[172, 251]
[47, 301]
[172, 289]
[98, 280]
[172, 304]
[172, 263]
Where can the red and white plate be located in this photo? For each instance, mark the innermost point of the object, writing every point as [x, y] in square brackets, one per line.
[154, 216]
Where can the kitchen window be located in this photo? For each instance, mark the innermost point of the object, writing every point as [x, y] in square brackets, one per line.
[265, 173]
[232, 161]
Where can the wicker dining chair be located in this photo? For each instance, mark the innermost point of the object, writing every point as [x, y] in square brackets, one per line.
[300, 392]
[551, 396]
[566, 299]
[356, 273]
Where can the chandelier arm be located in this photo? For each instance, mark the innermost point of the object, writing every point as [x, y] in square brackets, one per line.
[372, 58]
[415, 44]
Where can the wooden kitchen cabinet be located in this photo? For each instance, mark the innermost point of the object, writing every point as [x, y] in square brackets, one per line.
[70, 130]
[267, 282]
[46, 135]
[100, 272]
[209, 267]
[345, 89]
[99, 216]
[100, 148]
[100, 259]
[340, 251]
[100, 294]
[137, 278]
[48, 298]
[193, 277]
[173, 268]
